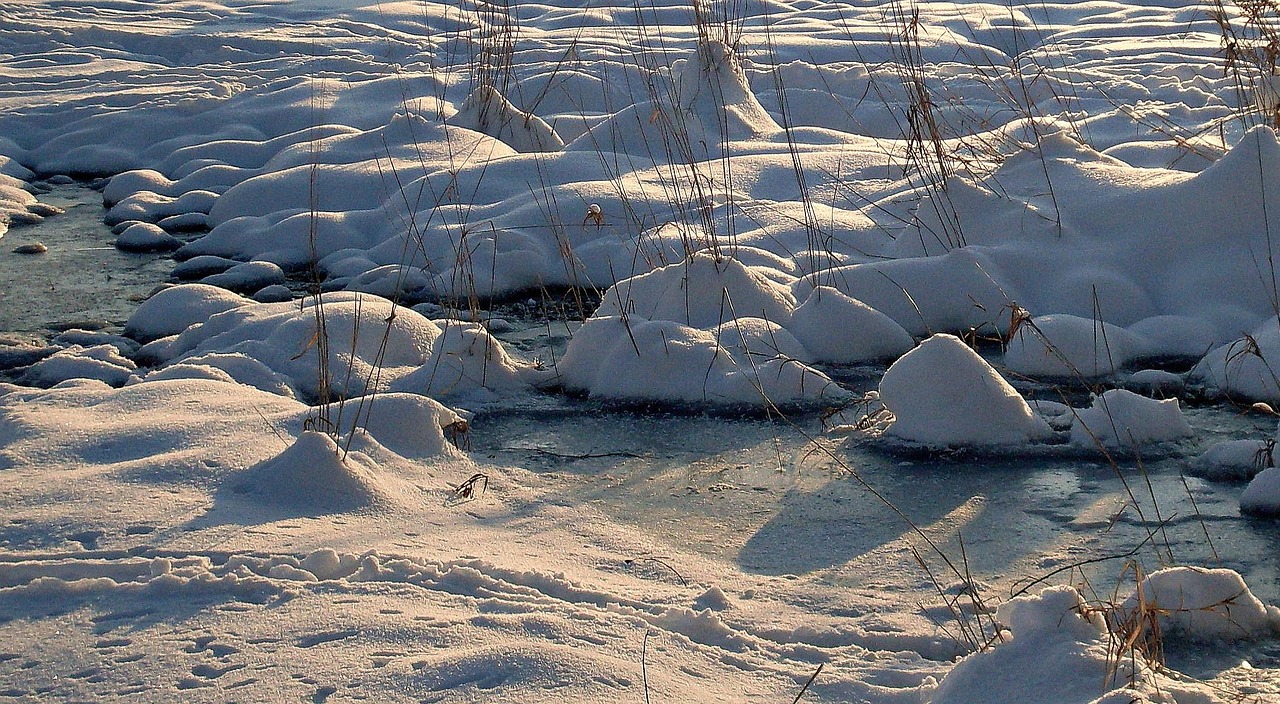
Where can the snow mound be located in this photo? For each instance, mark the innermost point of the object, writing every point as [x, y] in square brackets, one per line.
[837, 329]
[489, 112]
[1202, 604]
[1262, 496]
[410, 425]
[956, 292]
[1123, 419]
[100, 362]
[466, 361]
[1246, 367]
[703, 291]
[942, 394]
[1231, 460]
[248, 277]
[232, 367]
[314, 475]
[145, 237]
[372, 346]
[1063, 345]
[641, 360]
[1059, 651]
[707, 101]
[177, 308]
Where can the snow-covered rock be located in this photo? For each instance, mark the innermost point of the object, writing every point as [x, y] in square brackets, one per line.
[1247, 367]
[837, 329]
[1201, 604]
[942, 394]
[1262, 496]
[177, 308]
[1120, 418]
[1068, 346]
[1233, 459]
[145, 237]
[661, 360]
[1057, 650]
[101, 362]
[703, 291]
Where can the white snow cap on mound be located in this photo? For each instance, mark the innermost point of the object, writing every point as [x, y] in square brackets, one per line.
[1231, 459]
[1120, 418]
[942, 394]
[312, 476]
[1247, 367]
[283, 337]
[1202, 604]
[100, 362]
[838, 329]
[409, 425]
[177, 308]
[1059, 652]
[1069, 346]
[466, 361]
[955, 292]
[489, 112]
[661, 360]
[702, 292]
[707, 101]
[1262, 496]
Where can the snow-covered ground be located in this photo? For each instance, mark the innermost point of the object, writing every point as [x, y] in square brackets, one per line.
[248, 493]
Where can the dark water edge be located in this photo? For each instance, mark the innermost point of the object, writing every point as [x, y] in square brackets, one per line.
[82, 281]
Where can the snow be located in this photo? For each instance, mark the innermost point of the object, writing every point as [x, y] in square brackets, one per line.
[264, 496]
[177, 308]
[1056, 650]
[1199, 603]
[1262, 496]
[145, 237]
[1069, 346]
[1122, 419]
[1243, 367]
[943, 394]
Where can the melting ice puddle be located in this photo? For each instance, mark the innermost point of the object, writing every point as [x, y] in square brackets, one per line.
[83, 280]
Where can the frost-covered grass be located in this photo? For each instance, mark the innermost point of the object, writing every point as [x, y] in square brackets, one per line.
[258, 495]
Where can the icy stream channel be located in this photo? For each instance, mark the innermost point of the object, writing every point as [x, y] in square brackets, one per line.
[775, 496]
[82, 280]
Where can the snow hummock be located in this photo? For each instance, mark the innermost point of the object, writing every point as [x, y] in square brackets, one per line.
[837, 329]
[703, 291]
[370, 345]
[1202, 604]
[174, 309]
[943, 394]
[1122, 419]
[486, 110]
[1056, 649]
[1247, 366]
[1262, 496]
[1068, 346]
[635, 359]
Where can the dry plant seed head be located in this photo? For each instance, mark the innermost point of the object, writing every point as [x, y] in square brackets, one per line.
[1263, 407]
[470, 490]
[459, 433]
[1264, 458]
[595, 215]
